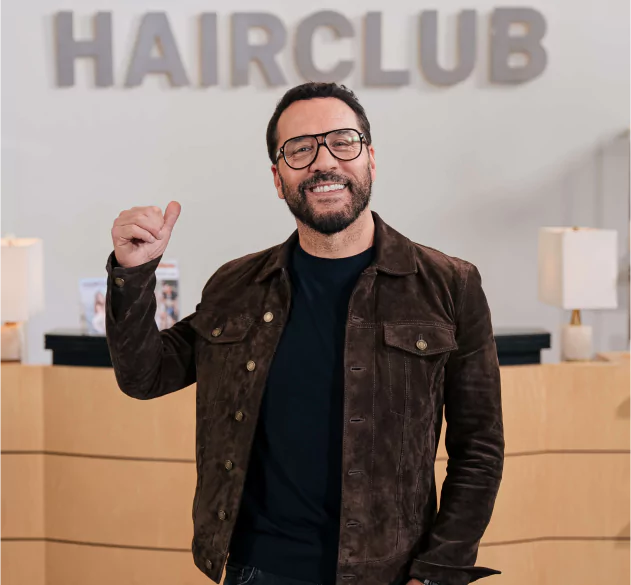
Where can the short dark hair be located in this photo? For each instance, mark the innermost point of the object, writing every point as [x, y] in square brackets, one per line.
[308, 91]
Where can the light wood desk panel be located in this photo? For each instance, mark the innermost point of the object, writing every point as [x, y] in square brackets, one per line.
[128, 503]
[86, 412]
[24, 562]
[106, 482]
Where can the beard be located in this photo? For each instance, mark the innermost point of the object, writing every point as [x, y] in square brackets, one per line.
[328, 222]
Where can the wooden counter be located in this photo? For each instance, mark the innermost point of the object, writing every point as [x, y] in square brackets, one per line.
[97, 488]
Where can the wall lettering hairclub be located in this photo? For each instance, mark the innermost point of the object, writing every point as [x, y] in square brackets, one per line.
[155, 31]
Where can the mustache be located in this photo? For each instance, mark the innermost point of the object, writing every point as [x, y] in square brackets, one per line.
[324, 177]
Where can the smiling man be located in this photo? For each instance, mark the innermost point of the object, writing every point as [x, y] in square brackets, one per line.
[323, 367]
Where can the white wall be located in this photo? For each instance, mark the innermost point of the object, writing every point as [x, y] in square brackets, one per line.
[488, 164]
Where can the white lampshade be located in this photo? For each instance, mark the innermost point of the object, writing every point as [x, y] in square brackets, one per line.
[578, 268]
[22, 278]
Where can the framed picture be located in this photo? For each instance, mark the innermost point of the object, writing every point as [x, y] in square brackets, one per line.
[92, 297]
[167, 294]
[92, 293]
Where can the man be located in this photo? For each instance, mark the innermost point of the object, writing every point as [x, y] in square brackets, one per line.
[322, 367]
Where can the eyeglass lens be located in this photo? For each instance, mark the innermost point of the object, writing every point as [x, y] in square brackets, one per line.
[344, 144]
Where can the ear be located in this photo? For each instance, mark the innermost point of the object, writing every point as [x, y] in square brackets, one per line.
[373, 164]
[277, 183]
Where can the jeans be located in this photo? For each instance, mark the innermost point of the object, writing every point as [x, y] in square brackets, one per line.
[238, 574]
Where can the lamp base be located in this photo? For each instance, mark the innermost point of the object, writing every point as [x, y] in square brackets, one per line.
[576, 343]
[12, 338]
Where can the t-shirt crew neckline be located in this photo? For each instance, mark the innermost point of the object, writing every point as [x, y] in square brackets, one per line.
[331, 266]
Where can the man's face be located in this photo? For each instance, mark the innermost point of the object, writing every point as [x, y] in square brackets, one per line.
[326, 212]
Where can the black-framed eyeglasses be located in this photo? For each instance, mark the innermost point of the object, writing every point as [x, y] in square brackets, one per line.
[343, 144]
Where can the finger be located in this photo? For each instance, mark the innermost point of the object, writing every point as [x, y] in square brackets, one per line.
[124, 234]
[151, 223]
[143, 209]
[170, 216]
[154, 213]
[130, 215]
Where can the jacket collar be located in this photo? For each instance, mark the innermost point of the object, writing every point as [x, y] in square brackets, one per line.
[394, 253]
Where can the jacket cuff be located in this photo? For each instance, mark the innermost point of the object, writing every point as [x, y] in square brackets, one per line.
[115, 269]
[449, 574]
[125, 286]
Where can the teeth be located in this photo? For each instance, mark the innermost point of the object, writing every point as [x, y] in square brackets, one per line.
[326, 188]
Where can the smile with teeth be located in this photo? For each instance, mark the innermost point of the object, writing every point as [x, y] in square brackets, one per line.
[328, 188]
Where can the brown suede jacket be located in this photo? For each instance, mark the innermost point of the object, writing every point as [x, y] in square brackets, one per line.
[418, 338]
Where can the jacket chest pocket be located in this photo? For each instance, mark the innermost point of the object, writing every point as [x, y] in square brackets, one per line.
[416, 354]
[220, 345]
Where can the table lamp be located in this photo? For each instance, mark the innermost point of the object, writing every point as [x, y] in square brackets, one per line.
[577, 271]
[22, 291]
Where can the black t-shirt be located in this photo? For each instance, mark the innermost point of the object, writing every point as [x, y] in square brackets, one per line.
[288, 523]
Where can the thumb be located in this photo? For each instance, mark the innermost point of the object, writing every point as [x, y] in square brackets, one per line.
[171, 214]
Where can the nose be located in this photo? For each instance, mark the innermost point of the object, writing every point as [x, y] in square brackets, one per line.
[324, 160]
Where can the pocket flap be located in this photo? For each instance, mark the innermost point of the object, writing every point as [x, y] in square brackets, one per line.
[218, 328]
[420, 338]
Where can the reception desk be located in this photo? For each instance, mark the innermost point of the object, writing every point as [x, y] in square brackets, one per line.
[97, 488]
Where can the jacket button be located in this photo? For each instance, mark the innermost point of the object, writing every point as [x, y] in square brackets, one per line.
[238, 415]
[421, 344]
[250, 366]
[118, 281]
[268, 317]
[221, 514]
[216, 332]
[228, 464]
[209, 564]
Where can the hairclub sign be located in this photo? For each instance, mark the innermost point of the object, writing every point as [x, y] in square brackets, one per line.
[512, 32]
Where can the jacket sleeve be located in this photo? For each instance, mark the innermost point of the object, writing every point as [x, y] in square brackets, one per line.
[147, 362]
[475, 446]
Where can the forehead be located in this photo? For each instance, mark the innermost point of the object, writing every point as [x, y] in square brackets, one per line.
[315, 116]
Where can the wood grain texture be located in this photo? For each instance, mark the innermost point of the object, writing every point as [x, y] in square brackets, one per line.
[24, 563]
[97, 487]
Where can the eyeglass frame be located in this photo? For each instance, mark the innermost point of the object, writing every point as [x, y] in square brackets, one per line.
[281, 150]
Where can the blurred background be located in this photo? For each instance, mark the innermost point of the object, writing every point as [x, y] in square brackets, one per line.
[473, 169]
